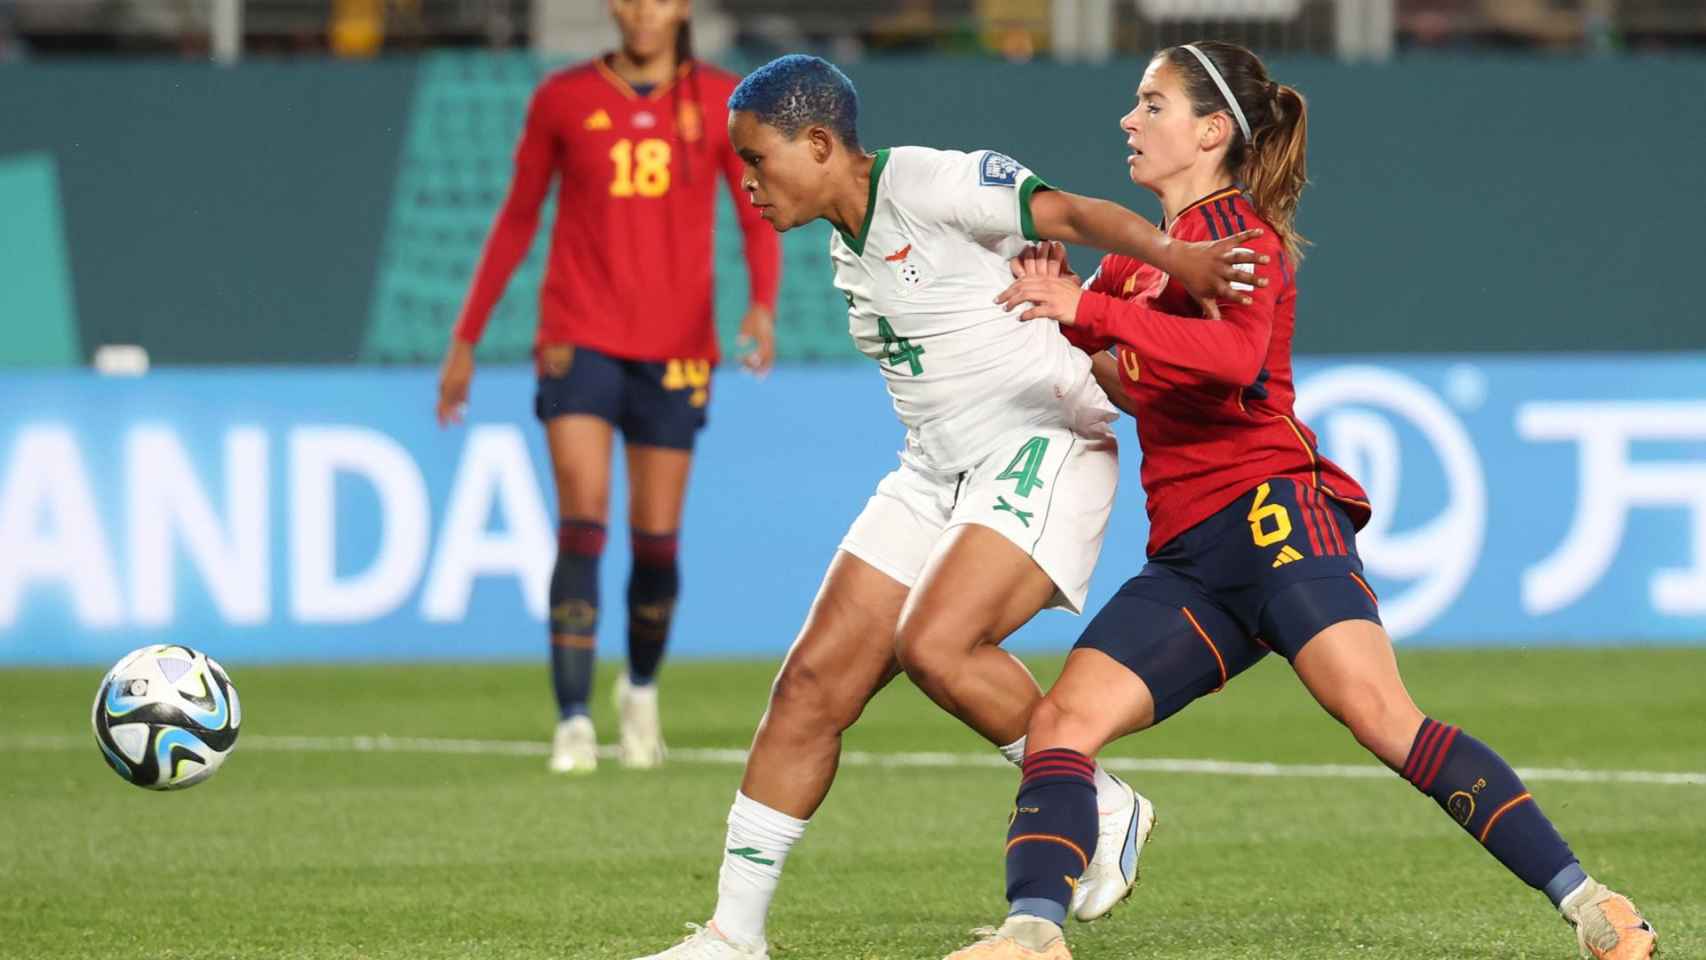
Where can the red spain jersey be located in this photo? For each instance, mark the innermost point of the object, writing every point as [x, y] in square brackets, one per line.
[630, 263]
[1213, 397]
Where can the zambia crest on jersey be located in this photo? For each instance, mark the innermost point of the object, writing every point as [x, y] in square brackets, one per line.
[997, 170]
[905, 267]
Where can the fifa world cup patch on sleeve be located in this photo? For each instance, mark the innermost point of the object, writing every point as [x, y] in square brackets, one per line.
[998, 170]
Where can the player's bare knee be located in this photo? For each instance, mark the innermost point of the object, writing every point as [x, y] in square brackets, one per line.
[581, 493]
[1382, 721]
[809, 701]
[1047, 719]
[591, 506]
[928, 658]
[1056, 722]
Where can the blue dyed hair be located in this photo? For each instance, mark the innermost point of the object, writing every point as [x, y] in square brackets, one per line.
[797, 91]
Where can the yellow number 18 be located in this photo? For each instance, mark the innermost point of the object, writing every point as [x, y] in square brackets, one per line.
[642, 169]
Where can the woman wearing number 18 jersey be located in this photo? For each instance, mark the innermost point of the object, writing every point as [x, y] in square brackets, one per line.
[1252, 532]
[637, 143]
[1007, 470]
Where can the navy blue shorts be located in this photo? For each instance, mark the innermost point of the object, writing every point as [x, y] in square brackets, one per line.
[1268, 572]
[654, 404]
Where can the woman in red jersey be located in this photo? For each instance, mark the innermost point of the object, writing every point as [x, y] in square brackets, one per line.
[637, 140]
[1252, 542]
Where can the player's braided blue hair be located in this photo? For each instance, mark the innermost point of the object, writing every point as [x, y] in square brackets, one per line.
[797, 91]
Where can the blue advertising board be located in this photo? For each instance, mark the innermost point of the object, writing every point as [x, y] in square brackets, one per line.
[321, 514]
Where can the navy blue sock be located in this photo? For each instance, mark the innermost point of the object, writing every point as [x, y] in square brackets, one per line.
[651, 603]
[574, 614]
[1486, 797]
[1053, 834]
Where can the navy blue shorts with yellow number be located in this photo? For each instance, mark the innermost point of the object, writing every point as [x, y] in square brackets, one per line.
[1266, 573]
[654, 404]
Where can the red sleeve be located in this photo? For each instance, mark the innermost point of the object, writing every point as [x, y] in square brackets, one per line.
[518, 219]
[1110, 273]
[758, 240]
[1230, 350]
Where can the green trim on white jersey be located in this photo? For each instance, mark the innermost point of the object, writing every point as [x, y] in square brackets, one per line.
[857, 244]
[1027, 226]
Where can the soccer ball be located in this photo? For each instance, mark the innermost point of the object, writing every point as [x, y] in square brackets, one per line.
[166, 717]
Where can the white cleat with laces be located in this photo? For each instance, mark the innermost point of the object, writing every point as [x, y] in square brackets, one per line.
[708, 943]
[1122, 831]
[574, 747]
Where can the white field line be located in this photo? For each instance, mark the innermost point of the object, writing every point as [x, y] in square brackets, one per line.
[860, 758]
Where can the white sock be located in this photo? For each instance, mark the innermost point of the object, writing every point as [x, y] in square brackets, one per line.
[757, 844]
[1014, 752]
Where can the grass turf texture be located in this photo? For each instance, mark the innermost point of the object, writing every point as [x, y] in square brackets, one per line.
[412, 855]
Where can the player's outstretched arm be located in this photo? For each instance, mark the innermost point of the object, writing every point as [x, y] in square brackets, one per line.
[1228, 345]
[1207, 270]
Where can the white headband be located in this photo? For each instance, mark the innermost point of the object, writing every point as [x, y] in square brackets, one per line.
[1225, 91]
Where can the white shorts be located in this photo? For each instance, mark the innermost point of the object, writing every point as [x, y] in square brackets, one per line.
[1048, 490]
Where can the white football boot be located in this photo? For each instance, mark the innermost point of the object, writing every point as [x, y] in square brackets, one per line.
[574, 748]
[642, 736]
[1122, 832]
[708, 943]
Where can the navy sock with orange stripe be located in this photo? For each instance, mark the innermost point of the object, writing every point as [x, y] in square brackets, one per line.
[1053, 834]
[1484, 795]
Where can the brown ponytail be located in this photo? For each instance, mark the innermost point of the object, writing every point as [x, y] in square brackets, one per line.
[1272, 164]
[1275, 168]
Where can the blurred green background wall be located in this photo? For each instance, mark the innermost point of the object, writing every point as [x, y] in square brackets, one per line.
[326, 212]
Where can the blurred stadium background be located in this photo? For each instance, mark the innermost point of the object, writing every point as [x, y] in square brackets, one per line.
[234, 235]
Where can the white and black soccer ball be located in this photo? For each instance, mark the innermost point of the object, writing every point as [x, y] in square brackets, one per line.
[166, 717]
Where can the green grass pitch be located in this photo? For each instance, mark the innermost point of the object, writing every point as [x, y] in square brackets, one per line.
[307, 849]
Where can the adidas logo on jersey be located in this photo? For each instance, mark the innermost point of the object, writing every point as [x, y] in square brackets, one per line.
[1287, 555]
[600, 120]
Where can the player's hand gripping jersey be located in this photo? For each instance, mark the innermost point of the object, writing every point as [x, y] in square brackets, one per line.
[1006, 427]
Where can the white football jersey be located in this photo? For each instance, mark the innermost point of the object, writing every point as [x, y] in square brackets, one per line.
[921, 278]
